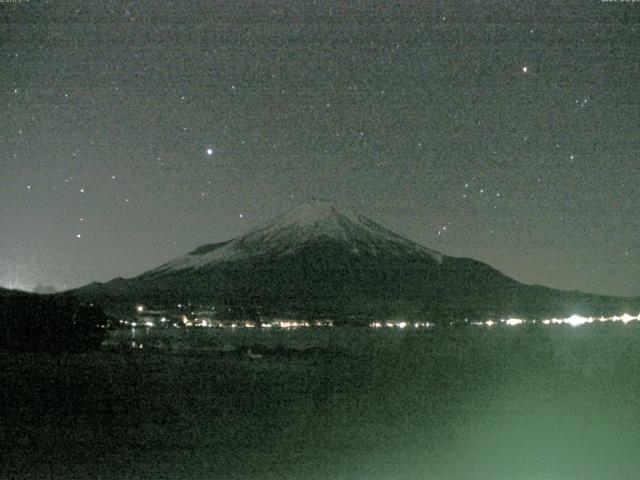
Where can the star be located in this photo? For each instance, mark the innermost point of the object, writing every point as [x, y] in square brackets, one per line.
[209, 151]
[525, 69]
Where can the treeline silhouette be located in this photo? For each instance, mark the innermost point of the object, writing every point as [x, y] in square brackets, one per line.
[47, 323]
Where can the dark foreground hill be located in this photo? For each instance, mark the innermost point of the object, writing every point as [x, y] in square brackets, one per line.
[319, 261]
[32, 322]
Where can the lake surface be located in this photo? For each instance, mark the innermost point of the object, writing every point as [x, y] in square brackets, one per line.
[450, 403]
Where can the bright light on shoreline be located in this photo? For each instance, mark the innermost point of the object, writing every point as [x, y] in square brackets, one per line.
[514, 321]
[575, 320]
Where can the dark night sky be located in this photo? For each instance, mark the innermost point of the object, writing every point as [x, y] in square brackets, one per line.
[502, 131]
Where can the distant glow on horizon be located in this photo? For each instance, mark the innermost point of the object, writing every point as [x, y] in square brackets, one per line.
[25, 274]
[14, 285]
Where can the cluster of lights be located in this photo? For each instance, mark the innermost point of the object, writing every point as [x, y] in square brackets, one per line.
[576, 320]
[392, 324]
[185, 321]
[286, 324]
[573, 320]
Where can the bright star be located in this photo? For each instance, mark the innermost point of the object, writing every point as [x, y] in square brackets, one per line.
[209, 151]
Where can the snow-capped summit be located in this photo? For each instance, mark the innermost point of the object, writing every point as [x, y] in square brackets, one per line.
[323, 219]
[316, 220]
[316, 213]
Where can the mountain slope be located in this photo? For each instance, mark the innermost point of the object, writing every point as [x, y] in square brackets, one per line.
[323, 261]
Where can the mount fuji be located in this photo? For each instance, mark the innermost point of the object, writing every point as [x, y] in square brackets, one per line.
[322, 261]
